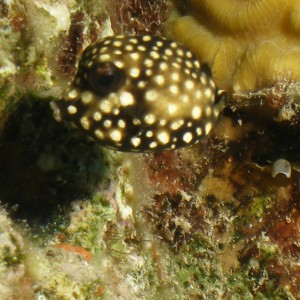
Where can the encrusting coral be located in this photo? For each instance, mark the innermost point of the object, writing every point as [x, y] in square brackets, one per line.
[249, 44]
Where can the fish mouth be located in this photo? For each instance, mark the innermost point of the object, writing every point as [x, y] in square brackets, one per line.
[56, 111]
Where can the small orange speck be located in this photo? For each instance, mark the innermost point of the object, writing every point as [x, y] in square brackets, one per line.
[77, 249]
[100, 290]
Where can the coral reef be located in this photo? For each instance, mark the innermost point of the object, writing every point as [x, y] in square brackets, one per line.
[138, 17]
[249, 44]
[14, 282]
[79, 221]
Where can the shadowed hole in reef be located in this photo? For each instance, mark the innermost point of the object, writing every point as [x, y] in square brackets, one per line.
[269, 139]
[44, 165]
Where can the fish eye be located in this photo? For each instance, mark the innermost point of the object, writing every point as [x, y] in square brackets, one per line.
[105, 77]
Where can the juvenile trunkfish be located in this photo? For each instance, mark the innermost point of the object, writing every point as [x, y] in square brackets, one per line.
[140, 94]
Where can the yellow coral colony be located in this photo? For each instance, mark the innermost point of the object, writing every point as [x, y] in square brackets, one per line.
[249, 44]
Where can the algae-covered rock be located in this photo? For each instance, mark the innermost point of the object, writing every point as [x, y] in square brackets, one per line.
[14, 282]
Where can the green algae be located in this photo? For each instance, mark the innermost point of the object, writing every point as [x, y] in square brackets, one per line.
[89, 233]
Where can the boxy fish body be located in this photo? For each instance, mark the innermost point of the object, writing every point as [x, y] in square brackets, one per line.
[140, 94]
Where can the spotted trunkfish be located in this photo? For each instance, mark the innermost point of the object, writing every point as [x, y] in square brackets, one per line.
[140, 94]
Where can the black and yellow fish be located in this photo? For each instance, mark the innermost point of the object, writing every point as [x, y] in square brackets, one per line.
[140, 94]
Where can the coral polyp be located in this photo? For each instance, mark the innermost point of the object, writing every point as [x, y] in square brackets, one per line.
[249, 44]
[238, 15]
